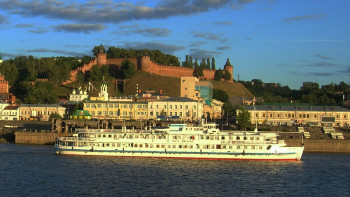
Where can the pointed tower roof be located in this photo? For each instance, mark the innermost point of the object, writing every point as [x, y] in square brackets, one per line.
[228, 62]
[101, 49]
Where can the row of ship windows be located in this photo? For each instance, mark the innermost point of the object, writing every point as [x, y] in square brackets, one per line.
[174, 146]
[130, 106]
[171, 106]
[178, 137]
[118, 113]
[292, 115]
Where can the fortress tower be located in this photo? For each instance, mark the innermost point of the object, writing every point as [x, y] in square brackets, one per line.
[229, 68]
[101, 56]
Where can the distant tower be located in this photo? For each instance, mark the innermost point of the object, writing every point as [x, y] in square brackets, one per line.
[229, 68]
[101, 56]
[103, 91]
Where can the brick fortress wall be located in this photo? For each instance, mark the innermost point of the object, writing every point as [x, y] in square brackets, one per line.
[145, 64]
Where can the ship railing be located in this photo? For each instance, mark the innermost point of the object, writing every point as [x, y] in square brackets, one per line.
[244, 142]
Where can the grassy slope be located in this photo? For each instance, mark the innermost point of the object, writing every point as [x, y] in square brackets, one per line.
[169, 85]
[145, 81]
[232, 89]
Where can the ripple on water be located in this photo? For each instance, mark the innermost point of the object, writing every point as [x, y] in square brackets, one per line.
[36, 171]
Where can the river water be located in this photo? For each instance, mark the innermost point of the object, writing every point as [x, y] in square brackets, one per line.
[28, 170]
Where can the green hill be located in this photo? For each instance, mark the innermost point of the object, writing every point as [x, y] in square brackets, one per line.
[171, 85]
[145, 81]
[232, 89]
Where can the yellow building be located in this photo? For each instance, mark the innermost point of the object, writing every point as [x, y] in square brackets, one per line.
[181, 107]
[40, 111]
[188, 87]
[323, 116]
[116, 109]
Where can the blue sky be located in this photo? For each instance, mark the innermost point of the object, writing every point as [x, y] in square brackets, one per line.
[280, 41]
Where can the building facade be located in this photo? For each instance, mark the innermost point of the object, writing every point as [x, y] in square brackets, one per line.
[322, 116]
[40, 111]
[78, 95]
[181, 107]
[117, 109]
[10, 113]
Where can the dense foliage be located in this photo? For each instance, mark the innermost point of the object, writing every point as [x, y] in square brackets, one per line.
[205, 63]
[128, 69]
[155, 55]
[243, 119]
[309, 93]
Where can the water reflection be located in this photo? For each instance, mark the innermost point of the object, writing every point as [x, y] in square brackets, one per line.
[36, 170]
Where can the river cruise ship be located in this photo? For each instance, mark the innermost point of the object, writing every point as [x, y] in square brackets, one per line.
[179, 141]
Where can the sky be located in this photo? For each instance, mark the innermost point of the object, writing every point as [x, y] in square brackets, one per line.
[277, 41]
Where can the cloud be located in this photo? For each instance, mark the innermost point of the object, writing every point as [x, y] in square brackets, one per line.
[223, 48]
[153, 32]
[166, 48]
[8, 55]
[149, 32]
[79, 28]
[196, 44]
[200, 53]
[324, 57]
[38, 31]
[306, 17]
[108, 11]
[3, 20]
[22, 25]
[209, 36]
[226, 23]
[63, 52]
[315, 74]
[322, 64]
[238, 4]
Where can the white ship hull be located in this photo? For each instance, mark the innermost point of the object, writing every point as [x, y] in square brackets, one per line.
[291, 154]
[179, 142]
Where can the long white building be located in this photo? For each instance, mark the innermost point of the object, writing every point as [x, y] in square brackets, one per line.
[184, 108]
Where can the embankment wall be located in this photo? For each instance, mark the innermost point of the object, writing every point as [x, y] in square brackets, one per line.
[40, 138]
[322, 145]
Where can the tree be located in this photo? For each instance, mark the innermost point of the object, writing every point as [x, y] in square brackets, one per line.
[218, 75]
[10, 71]
[54, 116]
[243, 118]
[188, 62]
[208, 63]
[97, 49]
[220, 95]
[203, 65]
[197, 71]
[213, 64]
[227, 76]
[128, 69]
